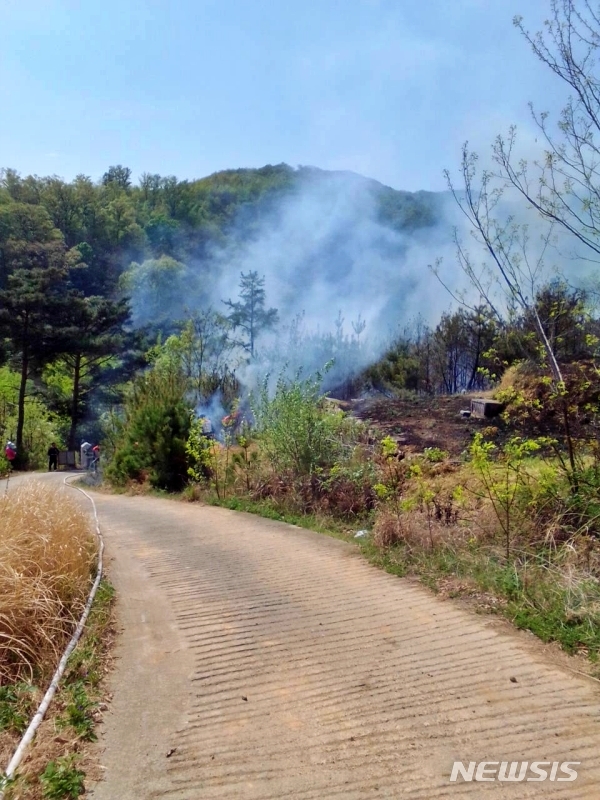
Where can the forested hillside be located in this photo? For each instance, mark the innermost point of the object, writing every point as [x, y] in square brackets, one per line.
[114, 222]
[91, 272]
[232, 278]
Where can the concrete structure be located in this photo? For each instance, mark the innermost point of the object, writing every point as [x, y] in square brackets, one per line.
[483, 408]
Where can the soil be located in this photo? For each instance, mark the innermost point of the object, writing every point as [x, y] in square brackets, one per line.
[420, 422]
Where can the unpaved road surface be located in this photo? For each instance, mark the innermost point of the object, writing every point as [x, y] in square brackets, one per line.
[257, 660]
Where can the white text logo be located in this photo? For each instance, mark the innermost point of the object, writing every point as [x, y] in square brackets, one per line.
[515, 771]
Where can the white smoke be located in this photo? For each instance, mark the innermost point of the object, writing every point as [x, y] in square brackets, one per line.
[329, 252]
[327, 256]
[214, 411]
[326, 250]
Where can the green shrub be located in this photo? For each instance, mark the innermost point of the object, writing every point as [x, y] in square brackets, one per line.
[435, 455]
[505, 481]
[151, 444]
[297, 432]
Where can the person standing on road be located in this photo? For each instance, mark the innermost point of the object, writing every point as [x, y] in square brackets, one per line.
[84, 455]
[53, 457]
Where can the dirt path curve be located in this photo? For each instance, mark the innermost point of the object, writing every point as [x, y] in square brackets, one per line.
[275, 663]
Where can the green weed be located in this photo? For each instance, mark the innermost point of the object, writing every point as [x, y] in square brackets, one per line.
[79, 712]
[16, 707]
[435, 455]
[61, 780]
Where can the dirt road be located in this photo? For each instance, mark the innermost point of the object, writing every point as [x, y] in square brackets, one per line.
[260, 661]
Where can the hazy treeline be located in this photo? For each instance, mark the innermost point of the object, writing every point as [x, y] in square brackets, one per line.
[469, 349]
[92, 272]
[121, 222]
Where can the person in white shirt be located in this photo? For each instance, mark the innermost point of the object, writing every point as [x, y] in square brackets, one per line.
[84, 451]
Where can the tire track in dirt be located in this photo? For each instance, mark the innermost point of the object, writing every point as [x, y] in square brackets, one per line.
[290, 668]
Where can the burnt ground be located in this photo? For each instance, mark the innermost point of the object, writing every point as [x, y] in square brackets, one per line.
[420, 422]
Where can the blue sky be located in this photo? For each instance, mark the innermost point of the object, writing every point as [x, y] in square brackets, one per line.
[387, 88]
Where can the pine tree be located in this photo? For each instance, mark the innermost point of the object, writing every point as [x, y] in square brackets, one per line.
[34, 312]
[249, 314]
[94, 337]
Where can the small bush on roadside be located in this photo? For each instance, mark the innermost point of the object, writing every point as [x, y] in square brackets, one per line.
[297, 433]
[150, 445]
[505, 481]
[435, 455]
[246, 460]
[347, 491]
[389, 530]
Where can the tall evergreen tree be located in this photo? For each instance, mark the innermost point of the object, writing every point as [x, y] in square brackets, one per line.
[248, 314]
[94, 337]
[34, 312]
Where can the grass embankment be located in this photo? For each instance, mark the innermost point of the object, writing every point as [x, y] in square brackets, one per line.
[556, 604]
[546, 585]
[47, 558]
[321, 523]
[500, 530]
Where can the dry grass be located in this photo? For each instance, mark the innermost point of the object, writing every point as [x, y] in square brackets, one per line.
[418, 530]
[78, 706]
[47, 553]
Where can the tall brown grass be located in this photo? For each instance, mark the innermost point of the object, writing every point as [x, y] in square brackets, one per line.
[47, 555]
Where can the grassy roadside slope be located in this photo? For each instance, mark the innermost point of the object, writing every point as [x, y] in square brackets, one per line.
[47, 560]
